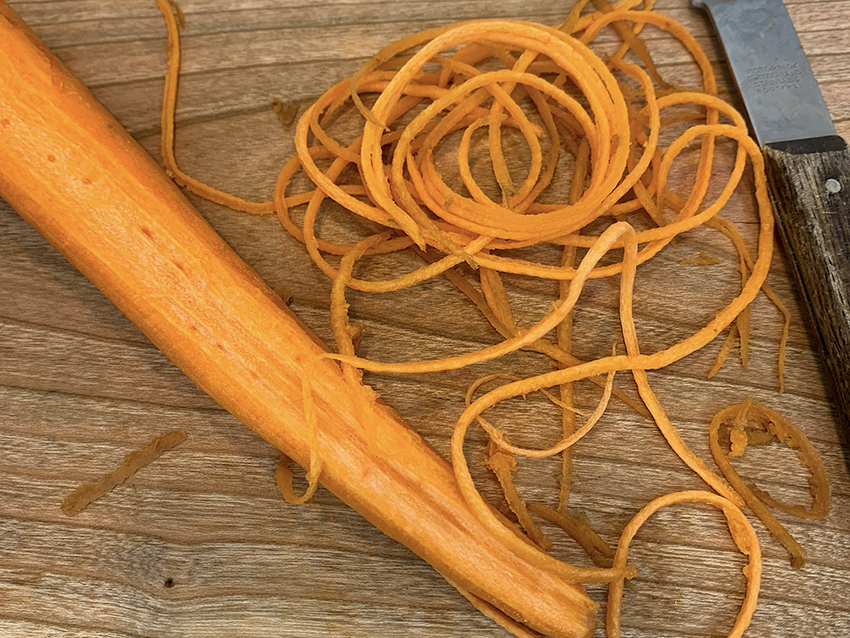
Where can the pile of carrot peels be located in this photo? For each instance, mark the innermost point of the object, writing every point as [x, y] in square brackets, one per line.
[444, 91]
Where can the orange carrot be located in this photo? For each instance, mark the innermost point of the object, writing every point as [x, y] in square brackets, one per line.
[75, 175]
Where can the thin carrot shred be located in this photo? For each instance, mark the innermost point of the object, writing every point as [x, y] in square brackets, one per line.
[702, 259]
[597, 549]
[742, 533]
[503, 464]
[286, 111]
[783, 430]
[85, 495]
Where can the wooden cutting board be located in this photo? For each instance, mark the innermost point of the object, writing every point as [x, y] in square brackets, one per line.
[200, 543]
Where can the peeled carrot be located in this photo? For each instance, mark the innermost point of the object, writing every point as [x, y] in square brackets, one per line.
[75, 175]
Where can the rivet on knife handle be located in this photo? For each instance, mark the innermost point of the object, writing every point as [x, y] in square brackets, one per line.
[807, 164]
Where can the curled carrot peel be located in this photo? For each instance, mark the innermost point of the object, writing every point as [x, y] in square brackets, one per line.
[174, 20]
[754, 416]
[742, 533]
[474, 82]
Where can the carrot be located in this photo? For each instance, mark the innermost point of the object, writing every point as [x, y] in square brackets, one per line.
[75, 175]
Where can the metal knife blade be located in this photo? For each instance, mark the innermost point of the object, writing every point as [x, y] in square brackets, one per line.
[807, 166]
[780, 93]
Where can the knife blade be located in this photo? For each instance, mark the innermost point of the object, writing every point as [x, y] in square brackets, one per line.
[808, 170]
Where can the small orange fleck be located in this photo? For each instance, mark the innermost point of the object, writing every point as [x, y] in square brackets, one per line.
[51, 158]
[5, 122]
[86, 181]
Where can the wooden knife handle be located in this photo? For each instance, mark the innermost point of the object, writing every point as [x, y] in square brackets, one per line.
[810, 184]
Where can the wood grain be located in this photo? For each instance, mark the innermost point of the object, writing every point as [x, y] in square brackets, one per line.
[199, 543]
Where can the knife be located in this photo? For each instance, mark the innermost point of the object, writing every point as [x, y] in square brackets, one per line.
[808, 170]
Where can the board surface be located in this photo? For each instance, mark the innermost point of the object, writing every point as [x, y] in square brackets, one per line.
[200, 543]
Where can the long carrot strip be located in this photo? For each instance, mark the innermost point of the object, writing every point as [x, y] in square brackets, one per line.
[742, 533]
[169, 8]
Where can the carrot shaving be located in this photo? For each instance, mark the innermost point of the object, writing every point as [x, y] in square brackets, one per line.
[558, 353]
[597, 549]
[286, 111]
[743, 323]
[564, 336]
[174, 20]
[85, 495]
[755, 438]
[503, 464]
[742, 533]
[702, 259]
[728, 229]
[724, 351]
[786, 432]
